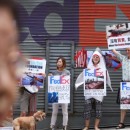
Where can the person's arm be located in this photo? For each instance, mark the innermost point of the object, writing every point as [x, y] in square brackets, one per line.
[50, 74]
[115, 52]
[68, 73]
[118, 55]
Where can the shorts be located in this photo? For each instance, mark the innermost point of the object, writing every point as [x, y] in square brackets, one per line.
[24, 101]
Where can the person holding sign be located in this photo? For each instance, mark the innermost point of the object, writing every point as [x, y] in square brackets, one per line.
[61, 65]
[125, 77]
[32, 80]
[96, 62]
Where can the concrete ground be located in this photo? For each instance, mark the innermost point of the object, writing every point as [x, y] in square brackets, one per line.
[127, 128]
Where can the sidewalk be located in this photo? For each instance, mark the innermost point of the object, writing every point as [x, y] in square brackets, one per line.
[127, 128]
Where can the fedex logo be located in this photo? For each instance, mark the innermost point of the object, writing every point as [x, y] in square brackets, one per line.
[94, 73]
[60, 80]
[73, 21]
[125, 86]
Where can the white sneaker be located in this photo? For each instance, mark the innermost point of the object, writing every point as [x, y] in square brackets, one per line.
[85, 128]
[52, 127]
[64, 127]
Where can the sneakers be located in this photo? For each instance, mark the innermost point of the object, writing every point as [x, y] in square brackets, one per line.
[64, 127]
[85, 128]
[52, 127]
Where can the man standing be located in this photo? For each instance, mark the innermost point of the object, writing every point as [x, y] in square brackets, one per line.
[125, 77]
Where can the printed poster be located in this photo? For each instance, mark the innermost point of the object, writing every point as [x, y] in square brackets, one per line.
[125, 95]
[33, 73]
[58, 89]
[118, 36]
[94, 82]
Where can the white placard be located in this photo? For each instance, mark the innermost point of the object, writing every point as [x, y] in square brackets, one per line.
[118, 36]
[58, 89]
[94, 82]
[33, 77]
[118, 42]
[125, 95]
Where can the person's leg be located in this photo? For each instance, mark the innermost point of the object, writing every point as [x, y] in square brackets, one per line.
[24, 103]
[87, 123]
[122, 119]
[54, 114]
[65, 115]
[87, 113]
[98, 110]
[123, 114]
[97, 122]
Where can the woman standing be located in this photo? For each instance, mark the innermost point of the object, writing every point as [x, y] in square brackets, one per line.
[93, 102]
[61, 65]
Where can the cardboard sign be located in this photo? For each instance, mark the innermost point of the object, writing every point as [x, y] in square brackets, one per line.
[94, 82]
[33, 73]
[118, 36]
[58, 89]
[125, 95]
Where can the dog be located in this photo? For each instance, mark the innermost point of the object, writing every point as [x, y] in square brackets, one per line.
[29, 122]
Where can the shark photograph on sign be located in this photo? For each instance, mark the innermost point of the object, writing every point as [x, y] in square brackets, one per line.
[118, 36]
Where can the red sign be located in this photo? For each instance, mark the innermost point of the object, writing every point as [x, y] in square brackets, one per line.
[81, 58]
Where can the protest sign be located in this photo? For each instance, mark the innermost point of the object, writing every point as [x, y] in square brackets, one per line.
[94, 82]
[34, 73]
[110, 59]
[118, 36]
[125, 95]
[58, 89]
[81, 58]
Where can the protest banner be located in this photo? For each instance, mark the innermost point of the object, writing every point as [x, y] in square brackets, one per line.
[94, 82]
[110, 59]
[125, 95]
[33, 74]
[82, 58]
[58, 89]
[118, 36]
